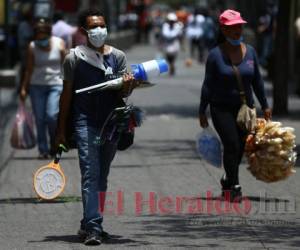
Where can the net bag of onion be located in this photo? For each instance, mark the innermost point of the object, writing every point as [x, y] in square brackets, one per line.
[270, 151]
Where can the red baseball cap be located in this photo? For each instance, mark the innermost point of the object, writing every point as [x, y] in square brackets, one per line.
[231, 17]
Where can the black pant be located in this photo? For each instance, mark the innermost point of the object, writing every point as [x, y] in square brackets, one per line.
[233, 140]
[199, 45]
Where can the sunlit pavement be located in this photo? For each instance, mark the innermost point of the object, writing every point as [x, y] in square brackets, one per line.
[160, 190]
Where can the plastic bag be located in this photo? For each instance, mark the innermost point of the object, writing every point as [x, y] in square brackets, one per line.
[209, 147]
[22, 136]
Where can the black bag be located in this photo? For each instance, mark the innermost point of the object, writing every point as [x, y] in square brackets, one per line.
[126, 137]
[126, 140]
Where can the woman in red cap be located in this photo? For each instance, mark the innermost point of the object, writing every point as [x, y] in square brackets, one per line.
[221, 91]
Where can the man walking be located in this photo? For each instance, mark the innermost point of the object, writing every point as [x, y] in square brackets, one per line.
[85, 66]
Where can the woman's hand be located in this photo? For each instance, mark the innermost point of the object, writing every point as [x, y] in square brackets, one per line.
[203, 121]
[268, 114]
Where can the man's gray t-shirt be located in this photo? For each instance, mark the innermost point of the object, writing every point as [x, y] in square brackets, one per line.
[92, 109]
[71, 59]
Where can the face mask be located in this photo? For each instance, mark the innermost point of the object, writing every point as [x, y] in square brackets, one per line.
[234, 42]
[97, 36]
[42, 43]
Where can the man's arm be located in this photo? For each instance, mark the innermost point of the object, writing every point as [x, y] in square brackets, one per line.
[64, 111]
[129, 83]
[65, 101]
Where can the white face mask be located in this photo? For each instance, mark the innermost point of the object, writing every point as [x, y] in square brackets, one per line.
[97, 36]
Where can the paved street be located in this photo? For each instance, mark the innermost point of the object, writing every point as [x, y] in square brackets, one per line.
[163, 161]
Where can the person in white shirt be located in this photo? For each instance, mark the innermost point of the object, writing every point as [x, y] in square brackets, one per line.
[171, 34]
[195, 35]
[62, 29]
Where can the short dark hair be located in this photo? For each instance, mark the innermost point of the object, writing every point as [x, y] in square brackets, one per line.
[42, 25]
[86, 13]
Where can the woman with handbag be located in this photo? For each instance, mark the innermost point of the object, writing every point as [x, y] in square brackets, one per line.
[232, 74]
[42, 80]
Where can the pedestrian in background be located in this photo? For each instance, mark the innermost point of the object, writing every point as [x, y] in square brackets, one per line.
[87, 112]
[78, 37]
[158, 21]
[195, 35]
[209, 30]
[42, 80]
[220, 90]
[266, 30]
[25, 35]
[172, 32]
[62, 29]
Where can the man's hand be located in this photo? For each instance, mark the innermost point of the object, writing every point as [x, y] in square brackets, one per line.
[60, 138]
[203, 121]
[268, 114]
[129, 83]
[23, 94]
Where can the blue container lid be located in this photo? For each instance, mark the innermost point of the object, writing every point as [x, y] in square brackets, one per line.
[163, 65]
[138, 72]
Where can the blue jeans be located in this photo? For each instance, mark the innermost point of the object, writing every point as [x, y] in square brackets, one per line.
[94, 161]
[45, 105]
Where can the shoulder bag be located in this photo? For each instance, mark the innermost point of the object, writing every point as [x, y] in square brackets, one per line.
[246, 117]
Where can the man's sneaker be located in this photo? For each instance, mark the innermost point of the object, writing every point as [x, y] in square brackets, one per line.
[105, 235]
[83, 234]
[93, 238]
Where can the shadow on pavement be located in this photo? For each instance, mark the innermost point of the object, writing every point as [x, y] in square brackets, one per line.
[29, 158]
[31, 200]
[297, 149]
[119, 240]
[179, 230]
[114, 239]
[61, 238]
[169, 149]
[171, 109]
[213, 229]
[141, 165]
[191, 111]
[251, 198]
